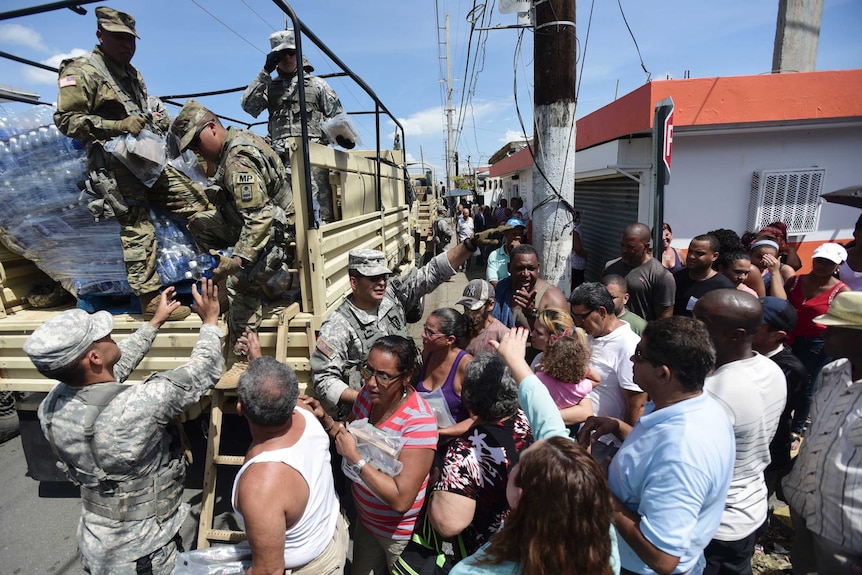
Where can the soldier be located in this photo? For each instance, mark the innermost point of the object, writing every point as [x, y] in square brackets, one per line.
[281, 98]
[376, 307]
[254, 212]
[113, 440]
[442, 230]
[102, 96]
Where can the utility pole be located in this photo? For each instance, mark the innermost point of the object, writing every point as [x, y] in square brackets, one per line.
[450, 111]
[797, 34]
[554, 140]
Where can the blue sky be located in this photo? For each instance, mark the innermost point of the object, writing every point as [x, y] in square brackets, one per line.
[200, 45]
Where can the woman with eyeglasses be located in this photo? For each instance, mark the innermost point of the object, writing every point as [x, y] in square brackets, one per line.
[387, 507]
[444, 365]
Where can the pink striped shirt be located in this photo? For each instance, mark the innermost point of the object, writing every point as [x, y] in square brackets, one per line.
[415, 421]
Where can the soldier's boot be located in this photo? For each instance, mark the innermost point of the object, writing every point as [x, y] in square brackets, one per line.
[223, 302]
[150, 303]
[237, 366]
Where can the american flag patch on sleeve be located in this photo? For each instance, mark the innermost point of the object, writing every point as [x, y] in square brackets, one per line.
[324, 347]
[67, 81]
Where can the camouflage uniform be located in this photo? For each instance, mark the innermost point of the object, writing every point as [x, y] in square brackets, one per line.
[88, 108]
[131, 445]
[253, 198]
[280, 97]
[442, 233]
[347, 335]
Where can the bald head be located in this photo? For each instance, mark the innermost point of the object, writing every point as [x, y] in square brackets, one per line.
[730, 309]
[638, 230]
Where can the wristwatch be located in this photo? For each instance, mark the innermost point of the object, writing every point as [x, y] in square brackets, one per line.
[357, 467]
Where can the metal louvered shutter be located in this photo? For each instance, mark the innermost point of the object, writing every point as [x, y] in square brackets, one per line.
[606, 207]
[789, 196]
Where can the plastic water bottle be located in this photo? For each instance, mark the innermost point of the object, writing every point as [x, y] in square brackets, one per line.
[201, 267]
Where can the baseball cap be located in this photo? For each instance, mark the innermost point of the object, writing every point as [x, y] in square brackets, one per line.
[368, 262]
[516, 222]
[282, 40]
[186, 123]
[65, 337]
[835, 253]
[112, 20]
[476, 294]
[779, 313]
[845, 311]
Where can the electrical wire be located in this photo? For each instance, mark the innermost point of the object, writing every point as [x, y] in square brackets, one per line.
[217, 19]
[584, 54]
[261, 18]
[648, 73]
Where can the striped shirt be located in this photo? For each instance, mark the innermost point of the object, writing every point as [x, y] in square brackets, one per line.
[753, 392]
[415, 421]
[825, 486]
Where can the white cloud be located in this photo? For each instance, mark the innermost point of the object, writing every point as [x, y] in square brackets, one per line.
[424, 122]
[21, 36]
[512, 136]
[39, 76]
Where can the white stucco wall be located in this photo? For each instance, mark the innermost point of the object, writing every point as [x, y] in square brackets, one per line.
[711, 176]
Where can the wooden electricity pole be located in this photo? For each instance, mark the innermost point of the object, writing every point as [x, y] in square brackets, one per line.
[554, 140]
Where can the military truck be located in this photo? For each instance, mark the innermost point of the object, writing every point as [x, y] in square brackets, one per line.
[373, 210]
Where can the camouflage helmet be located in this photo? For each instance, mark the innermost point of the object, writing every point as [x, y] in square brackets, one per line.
[186, 123]
[306, 65]
[112, 20]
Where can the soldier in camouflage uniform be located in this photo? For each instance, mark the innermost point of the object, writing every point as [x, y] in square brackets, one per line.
[254, 211]
[280, 97]
[113, 440]
[376, 307]
[103, 96]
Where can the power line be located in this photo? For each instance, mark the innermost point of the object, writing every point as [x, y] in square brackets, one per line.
[262, 19]
[217, 19]
[649, 75]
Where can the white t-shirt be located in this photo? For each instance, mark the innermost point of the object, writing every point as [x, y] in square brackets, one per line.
[611, 358]
[753, 393]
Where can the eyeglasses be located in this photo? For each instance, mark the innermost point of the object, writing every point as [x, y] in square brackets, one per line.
[383, 379]
[583, 316]
[196, 140]
[377, 278]
[431, 334]
[639, 357]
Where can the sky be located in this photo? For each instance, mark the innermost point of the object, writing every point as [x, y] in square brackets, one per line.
[397, 47]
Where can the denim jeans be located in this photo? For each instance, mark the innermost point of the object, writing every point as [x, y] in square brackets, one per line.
[810, 352]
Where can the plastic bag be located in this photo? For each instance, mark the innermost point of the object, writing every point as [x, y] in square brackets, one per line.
[438, 404]
[216, 560]
[144, 155]
[188, 164]
[341, 130]
[380, 448]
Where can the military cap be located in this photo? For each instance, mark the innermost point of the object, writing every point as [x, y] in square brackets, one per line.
[186, 123]
[368, 262]
[65, 337]
[441, 209]
[282, 40]
[112, 20]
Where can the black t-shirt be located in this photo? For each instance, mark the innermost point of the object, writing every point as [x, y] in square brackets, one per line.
[688, 291]
[796, 376]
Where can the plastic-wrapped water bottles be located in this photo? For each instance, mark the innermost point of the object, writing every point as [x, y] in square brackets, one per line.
[202, 267]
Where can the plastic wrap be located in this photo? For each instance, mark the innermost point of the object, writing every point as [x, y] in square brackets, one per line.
[380, 448]
[215, 560]
[43, 218]
[341, 130]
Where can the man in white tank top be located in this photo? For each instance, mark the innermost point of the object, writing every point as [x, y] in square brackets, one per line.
[284, 493]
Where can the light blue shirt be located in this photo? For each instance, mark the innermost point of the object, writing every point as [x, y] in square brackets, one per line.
[498, 265]
[674, 470]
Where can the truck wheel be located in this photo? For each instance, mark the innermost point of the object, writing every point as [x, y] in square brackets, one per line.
[8, 417]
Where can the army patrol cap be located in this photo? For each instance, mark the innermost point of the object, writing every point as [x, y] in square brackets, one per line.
[282, 40]
[369, 263]
[186, 123]
[64, 338]
[111, 20]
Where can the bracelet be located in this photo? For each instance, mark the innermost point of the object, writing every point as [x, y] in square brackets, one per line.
[468, 243]
[331, 425]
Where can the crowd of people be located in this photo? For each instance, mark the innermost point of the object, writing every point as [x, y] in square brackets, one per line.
[638, 425]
